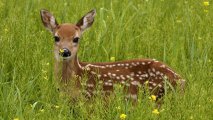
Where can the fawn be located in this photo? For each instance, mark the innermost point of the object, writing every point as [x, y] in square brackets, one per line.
[130, 73]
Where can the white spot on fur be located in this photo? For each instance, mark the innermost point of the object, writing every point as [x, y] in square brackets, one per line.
[162, 66]
[88, 94]
[156, 61]
[132, 73]
[152, 74]
[157, 73]
[127, 76]
[99, 76]
[153, 69]
[103, 67]
[122, 77]
[109, 73]
[97, 66]
[144, 75]
[134, 64]
[135, 83]
[93, 72]
[122, 82]
[90, 85]
[108, 84]
[134, 96]
[170, 70]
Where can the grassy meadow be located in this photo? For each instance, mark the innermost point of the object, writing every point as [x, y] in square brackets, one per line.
[177, 32]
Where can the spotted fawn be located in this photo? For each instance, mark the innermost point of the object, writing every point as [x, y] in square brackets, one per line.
[130, 73]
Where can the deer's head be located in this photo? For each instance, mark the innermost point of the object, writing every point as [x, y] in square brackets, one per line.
[67, 35]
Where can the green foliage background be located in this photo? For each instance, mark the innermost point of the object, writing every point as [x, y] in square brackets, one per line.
[177, 32]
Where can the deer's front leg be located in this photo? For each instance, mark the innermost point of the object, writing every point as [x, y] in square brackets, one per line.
[131, 90]
[90, 86]
[107, 87]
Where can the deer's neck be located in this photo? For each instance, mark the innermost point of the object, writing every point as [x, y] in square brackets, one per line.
[70, 68]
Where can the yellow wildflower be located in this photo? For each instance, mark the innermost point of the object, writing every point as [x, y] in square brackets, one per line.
[123, 116]
[45, 77]
[6, 30]
[112, 59]
[139, 100]
[118, 108]
[153, 97]
[16, 119]
[65, 4]
[42, 110]
[206, 11]
[155, 111]
[146, 82]
[44, 71]
[179, 21]
[61, 50]
[206, 3]
[56, 106]
[48, 64]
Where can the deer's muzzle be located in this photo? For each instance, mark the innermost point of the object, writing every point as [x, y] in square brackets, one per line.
[64, 52]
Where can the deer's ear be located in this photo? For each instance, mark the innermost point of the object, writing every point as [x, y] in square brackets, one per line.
[87, 20]
[48, 20]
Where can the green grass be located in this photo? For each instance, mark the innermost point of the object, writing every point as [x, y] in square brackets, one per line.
[177, 32]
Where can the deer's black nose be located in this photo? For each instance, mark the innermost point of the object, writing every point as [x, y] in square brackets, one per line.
[64, 52]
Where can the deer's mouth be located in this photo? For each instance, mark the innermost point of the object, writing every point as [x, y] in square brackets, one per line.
[66, 58]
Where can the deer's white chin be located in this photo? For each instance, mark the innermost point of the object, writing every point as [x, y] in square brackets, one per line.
[60, 59]
[66, 58]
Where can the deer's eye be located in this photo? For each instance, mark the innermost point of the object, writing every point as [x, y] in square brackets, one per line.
[75, 40]
[56, 38]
